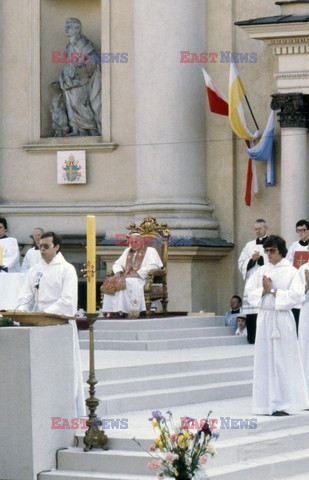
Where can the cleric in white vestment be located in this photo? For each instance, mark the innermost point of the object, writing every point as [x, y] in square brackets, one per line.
[279, 386]
[10, 249]
[51, 286]
[303, 328]
[134, 265]
[33, 255]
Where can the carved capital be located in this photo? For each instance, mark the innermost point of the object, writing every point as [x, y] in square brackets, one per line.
[294, 109]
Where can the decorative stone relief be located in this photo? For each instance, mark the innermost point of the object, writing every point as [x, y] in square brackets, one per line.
[294, 109]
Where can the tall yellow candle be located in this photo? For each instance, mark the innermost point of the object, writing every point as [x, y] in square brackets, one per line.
[1, 255]
[91, 264]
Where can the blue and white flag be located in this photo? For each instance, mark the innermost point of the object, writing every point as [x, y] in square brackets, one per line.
[264, 150]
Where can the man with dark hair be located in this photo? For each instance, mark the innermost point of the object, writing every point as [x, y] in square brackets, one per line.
[301, 245]
[279, 386]
[10, 250]
[51, 284]
[251, 259]
[231, 315]
[51, 287]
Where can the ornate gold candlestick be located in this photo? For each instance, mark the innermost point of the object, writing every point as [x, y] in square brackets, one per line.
[94, 436]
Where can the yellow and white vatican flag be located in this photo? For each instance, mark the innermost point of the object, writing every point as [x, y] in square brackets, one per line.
[236, 112]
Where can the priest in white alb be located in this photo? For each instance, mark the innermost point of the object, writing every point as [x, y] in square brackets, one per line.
[51, 287]
[10, 261]
[303, 328]
[279, 386]
[132, 269]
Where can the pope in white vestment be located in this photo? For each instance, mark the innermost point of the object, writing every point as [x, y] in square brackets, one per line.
[279, 386]
[303, 328]
[51, 286]
[132, 298]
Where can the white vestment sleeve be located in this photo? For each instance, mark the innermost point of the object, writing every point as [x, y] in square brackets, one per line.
[243, 261]
[254, 288]
[67, 303]
[301, 274]
[151, 261]
[120, 264]
[291, 253]
[11, 253]
[27, 295]
[291, 297]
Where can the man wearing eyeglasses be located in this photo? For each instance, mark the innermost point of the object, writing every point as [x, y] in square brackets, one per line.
[51, 287]
[251, 259]
[301, 245]
[51, 284]
[279, 386]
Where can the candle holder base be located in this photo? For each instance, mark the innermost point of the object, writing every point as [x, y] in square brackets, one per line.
[94, 437]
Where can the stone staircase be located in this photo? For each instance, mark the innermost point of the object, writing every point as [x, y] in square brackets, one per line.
[156, 384]
[161, 334]
[189, 381]
[276, 450]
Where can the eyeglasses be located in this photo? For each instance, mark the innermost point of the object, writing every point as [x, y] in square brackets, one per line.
[301, 230]
[270, 250]
[46, 246]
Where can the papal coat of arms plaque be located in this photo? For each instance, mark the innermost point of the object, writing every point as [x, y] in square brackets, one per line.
[71, 167]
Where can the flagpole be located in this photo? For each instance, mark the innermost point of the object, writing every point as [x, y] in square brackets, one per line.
[257, 127]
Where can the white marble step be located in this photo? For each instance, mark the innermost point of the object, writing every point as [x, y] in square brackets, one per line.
[266, 427]
[301, 476]
[154, 345]
[188, 332]
[110, 461]
[273, 467]
[153, 399]
[191, 365]
[185, 378]
[73, 475]
[160, 323]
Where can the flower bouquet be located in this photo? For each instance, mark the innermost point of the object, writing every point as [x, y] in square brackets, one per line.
[182, 453]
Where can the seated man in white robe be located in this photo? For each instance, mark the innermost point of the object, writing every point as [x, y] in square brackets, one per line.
[279, 386]
[134, 265]
[10, 250]
[51, 286]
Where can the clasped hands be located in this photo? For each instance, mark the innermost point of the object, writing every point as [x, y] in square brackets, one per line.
[267, 284]
[255, 255]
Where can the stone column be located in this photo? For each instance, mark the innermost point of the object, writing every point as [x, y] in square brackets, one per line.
[294, 122]
[170, 116]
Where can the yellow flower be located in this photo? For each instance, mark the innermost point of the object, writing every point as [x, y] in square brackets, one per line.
[182, 441]
[157, 441]
[154, 423]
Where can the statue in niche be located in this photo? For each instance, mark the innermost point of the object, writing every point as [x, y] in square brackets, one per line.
[77, 110]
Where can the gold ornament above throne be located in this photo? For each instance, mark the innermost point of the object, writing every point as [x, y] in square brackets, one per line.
[158, 237]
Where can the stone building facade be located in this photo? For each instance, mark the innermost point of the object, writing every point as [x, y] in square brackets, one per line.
[162, 152]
